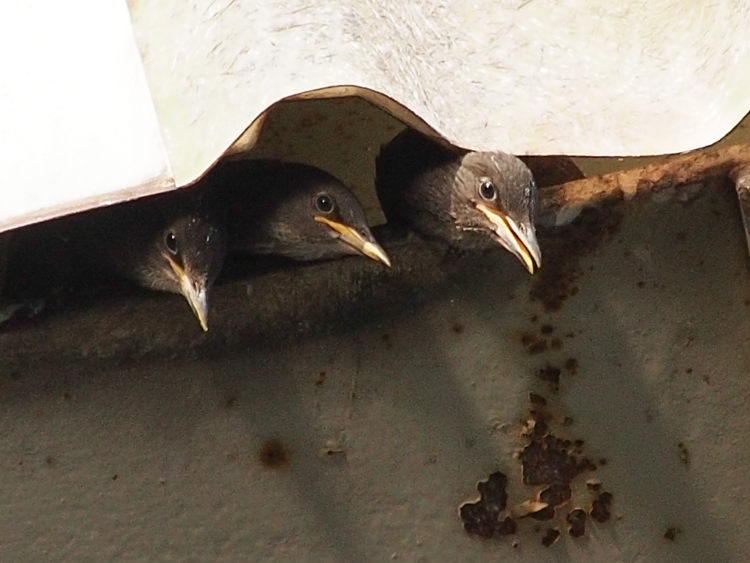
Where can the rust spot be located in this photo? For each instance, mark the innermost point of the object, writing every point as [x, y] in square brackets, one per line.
[114, 477]
[537, 347]
[556, 495]
[484, 517]
[684, 454]
[543, 515]
[321, 379]
[528, 338]
[600, 508]
[537, 400]
[273, 454]
[550, 374]
[571, 366]
[641, 284]
[577, 520]
[550, 537]
[535, 318]
[556, 344]
[547, 329]
[549, 465]
[458, 328]
[231, 401]
[671, 533]
[566, 246]
[689, 370]
[548, 460]
[387, 341]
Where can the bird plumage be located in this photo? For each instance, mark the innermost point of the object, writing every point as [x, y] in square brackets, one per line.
[174, 242]
[470, 200]
[293, 210]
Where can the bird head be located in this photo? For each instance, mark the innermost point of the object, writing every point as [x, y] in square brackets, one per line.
[495, 195]
[189, 254]
[321, 218]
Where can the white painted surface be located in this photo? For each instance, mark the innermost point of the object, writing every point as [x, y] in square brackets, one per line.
[540, 76]
[78, 122]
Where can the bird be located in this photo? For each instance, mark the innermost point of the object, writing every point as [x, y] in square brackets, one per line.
[173, 242]
[292, 210]
[469, 200]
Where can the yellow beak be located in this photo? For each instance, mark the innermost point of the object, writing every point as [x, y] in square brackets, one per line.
[195, 293]
[356, 240]
[518, 240]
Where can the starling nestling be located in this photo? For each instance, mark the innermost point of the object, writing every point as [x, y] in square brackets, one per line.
[172, 242]
[291, 210]
[470, 200]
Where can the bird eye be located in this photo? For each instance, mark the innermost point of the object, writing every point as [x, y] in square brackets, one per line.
[324, 204]
[487, 190]
[170, 240]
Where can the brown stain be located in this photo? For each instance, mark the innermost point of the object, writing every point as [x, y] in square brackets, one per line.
[601, 507]
[550, 461]
[528, 338]
[550, 466]
[550, 374]
[457, 327]
[564, 248]
[484, 517]
[321, 379]
[273, 454]
[550, 537]
[576, 518]
[671, 533]
[571, 366]
[684, 454]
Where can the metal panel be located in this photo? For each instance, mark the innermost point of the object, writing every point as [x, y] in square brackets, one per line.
[79, 126]
[538, 77]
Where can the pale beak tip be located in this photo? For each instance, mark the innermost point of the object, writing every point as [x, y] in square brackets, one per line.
[197, 298]
[376, 252]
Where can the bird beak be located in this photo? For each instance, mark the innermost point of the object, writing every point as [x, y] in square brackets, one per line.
[518, 240]
[196, 294]
[350, 236]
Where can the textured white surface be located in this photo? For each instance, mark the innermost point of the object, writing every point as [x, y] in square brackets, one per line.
[78, 122]
[528, 76]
